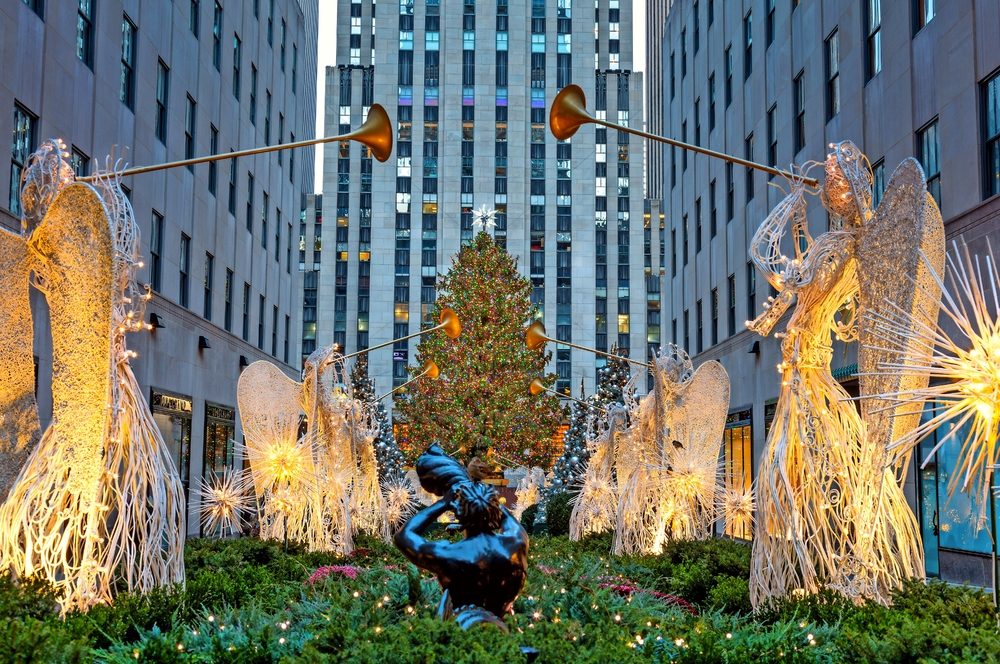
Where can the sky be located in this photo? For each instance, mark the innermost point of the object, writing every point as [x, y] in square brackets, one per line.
[328, 58]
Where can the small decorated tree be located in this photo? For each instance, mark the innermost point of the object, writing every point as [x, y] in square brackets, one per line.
[387, 453]
[480, 405]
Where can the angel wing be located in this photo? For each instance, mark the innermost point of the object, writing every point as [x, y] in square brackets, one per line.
[269, 401]
[19, 428]
[890, 270]
[698, 414]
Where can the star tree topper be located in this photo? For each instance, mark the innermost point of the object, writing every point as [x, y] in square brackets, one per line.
[485, 218]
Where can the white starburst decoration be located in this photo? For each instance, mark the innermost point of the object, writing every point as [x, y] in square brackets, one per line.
[225, 501]
[484, 218]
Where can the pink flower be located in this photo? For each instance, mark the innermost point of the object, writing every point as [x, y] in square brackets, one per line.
[671, 600]
[322, 573]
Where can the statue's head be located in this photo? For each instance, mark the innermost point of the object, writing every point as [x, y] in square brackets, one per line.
[847, 185]
[45, 173]
[477, 507]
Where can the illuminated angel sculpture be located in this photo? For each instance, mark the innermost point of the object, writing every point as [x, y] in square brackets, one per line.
[97, 504]
[668, 462]
[311, 454]
[830, 504]
[595, 506]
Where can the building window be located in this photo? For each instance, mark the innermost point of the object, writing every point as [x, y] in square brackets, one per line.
[281, 42]
[873, 42]
[288, 251]
[228, 322]
[711, 102]
[684, 54]
[194, 18]
[263, 220]
[35, 6]
[246, 311]
[79, 162]
[85, 32]
[832, 75]
[715, 316]
[232, 186]
[697, 226]
[213, 171]
[772, 139]
[673, 249]
[270, 33]
[220, 431]
[277, 236]
[991, 97]
[237, 57]
[274, 332]
[155, 250]
[260, 322]
[267, 117]
[713, 215]
[731, 318]
[250, 202]
[751, 292]
[185, 268]
[737, 459]
[253, 94]
[684, 239]
[799, 103]
[284, 352]
[697, 26]
[217, 37]
[291, 160]
[927, 139]
[127, 92]
[209, 282]
[699, 338]
[295, 65]
[729, 75]
[172, 415]
[162, 90]
[673, 77]
[923, 12]
[687, 330]
[770, 23]
[684, 139]
[730, 192]
[878, 181]
[747, 45]
[748, 155]
[189, 126]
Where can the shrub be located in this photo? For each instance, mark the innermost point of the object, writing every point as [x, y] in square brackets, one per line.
[557, 513]
[528, 518]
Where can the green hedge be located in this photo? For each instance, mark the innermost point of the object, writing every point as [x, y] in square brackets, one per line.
[250, 601]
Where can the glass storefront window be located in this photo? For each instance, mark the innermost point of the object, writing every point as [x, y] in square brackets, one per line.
[220, 430]
[172, 415]
[737, 451]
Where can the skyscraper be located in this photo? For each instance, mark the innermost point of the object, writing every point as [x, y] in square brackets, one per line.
[172, 81]
[468, 85]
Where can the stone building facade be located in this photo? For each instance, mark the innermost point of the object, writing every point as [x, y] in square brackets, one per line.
[172, 80]
[468, 86]
[776, 82]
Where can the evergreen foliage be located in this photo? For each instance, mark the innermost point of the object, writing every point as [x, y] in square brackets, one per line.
[480, 405]
[387, 454]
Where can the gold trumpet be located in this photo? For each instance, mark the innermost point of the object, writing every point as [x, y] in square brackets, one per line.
[569, 111]
[535, 338]
[430, 370]
[536, 387]
[449, 323]
[376, 133]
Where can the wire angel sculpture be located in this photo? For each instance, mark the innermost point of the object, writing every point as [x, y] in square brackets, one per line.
[98, 504]
[829, 495]
[961, 351]
[669, 461]
[595, 506]
[529, 490]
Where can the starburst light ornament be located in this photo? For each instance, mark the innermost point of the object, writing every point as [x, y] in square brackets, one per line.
[225, 501]
[961, 349]
[484, 218]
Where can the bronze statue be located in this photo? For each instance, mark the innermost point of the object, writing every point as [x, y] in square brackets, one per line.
[483, 572]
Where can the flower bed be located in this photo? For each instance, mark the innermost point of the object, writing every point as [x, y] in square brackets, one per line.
[248, 601]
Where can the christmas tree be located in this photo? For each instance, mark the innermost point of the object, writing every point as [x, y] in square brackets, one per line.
[480, 405]
[387, 454]
[611, 381]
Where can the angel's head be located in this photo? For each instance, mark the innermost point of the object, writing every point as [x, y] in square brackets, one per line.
[46, 172]
[847, 186]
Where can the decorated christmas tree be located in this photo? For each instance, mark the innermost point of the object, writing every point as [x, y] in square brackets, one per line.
[387, 453]
[480, 406]
[611, 381]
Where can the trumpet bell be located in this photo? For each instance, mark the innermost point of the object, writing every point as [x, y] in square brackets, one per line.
[450, 323]
[376, 133]
[431, 369]
[568, 112]
[535, 337]
[536, 387]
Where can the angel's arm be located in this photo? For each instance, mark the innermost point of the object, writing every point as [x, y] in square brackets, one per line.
[765, 248]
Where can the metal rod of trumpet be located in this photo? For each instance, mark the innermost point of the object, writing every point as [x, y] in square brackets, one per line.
[599, 352]
[572, 398]
[448, 322]
[271, 148]
[569, 111]
[429, 368]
